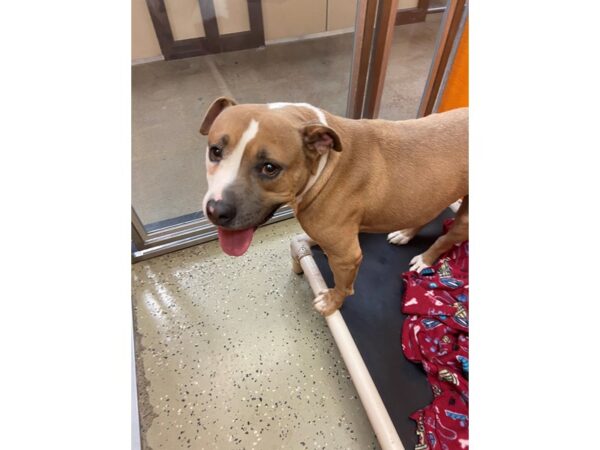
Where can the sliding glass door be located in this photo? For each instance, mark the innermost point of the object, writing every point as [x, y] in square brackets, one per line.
[303, 55]
[330, 53]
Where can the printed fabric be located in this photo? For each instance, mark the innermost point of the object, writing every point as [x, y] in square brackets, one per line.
[436, 335]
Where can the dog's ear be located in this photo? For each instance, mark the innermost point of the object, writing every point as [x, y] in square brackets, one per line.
[214, 110]
[321, 138]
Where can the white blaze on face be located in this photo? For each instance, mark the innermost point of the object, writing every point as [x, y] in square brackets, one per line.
[228, 167]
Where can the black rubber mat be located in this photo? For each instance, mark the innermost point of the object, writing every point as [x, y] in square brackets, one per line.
[375, 320]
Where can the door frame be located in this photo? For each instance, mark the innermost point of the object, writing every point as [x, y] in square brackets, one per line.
[451, 27]
[214, 41]
[371, 50]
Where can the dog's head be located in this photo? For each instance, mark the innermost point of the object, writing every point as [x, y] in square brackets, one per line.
[259, 157]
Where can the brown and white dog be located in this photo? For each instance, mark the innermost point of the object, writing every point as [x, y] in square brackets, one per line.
[341, 176]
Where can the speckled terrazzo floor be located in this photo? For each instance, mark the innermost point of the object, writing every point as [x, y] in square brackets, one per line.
[231, 355]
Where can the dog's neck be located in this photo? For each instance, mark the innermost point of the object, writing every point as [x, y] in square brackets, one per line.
[327, 162]
[317, 182]
[313, 178]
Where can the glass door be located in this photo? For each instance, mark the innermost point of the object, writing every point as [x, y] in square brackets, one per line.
[330, 53]
[252, 51]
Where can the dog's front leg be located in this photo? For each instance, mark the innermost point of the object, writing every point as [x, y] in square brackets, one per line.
[344, 258]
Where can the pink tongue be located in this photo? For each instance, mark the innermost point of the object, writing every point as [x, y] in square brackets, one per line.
[235, 242]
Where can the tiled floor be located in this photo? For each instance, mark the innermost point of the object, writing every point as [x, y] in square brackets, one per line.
[231, 355]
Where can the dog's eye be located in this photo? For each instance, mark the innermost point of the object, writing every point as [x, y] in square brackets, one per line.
[215, 153]
[270, 169]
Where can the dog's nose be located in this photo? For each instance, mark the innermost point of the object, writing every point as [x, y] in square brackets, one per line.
[220, 212]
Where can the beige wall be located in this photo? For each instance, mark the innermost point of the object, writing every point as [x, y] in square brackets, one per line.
[185, 19]
[404, 4]
[341, 14]
[232, 16]
[293, 18]
[143, 38]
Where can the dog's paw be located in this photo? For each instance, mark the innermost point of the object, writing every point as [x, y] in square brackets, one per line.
[418, 264]
[400, 237]
[327, 302]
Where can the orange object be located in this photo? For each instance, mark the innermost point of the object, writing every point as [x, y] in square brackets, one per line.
[456, 93]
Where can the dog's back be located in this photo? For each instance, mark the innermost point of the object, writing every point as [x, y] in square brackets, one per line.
[402, 173]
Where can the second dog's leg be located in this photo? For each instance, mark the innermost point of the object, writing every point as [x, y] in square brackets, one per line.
[458, 233]
[344, 259]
